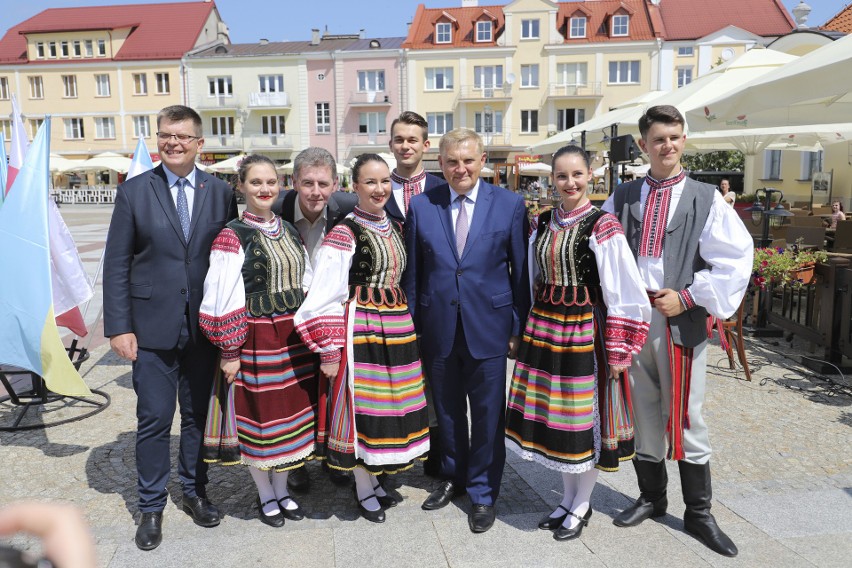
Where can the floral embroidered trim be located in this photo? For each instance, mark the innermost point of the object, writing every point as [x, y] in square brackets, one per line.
[686, 299]
[623, 337]
[323, 333]
[564, 218]
[230, 355]
[271, 228]
[225, 331]
[607, 227]
[227, 241]
[340, 238]
[330, 356]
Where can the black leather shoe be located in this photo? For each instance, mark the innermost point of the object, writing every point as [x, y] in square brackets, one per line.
[276, 520]
[441, 497]
[564, 533]
[296, 514]
[641, 510]
[338, 477]
[299, 481]
[652, 501]
[149, 535]
[552, 523]
[203, 513]
[481, 518]
[387, 500]
[372, 516]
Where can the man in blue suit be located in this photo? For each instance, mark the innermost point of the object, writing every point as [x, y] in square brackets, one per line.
[468, 291]
[157, 255]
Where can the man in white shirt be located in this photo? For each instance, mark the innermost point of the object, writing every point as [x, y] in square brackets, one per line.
[695, 257]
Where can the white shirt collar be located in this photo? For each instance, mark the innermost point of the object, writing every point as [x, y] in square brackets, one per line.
[470, 194]
[171, 177]
[299, 216]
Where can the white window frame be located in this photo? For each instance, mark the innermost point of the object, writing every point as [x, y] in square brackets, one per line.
[439, 122]
[104, 128]
[479, 76]
[323, 117]
[141, 126]
[273, 124]
[684, 76]
[90, 48]
[4, 89]
[101, 48]
[162, 80]
[484, 31]
[102, 86]
[6, 129]
[52, 50]
[772, 164]
[220, 86]
[371, 81]
[530, 28]
[529, 121]
[372, 122]
[35, 124]
[443, 32]
[439, 79]
[140, 84]
[64, 49]
[69, 86]
[579, 116]
[74, 129]
[812, 162]
[685, 51]
[270, 83]
[620, 25]
[577, 26]
[77, 50]
[36, 86]
[40, 50]
[628, 68]
[222, 125]
[480, 122]
[568, 77]
[529, 76]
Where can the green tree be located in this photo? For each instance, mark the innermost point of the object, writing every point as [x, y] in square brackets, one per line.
[723, 160]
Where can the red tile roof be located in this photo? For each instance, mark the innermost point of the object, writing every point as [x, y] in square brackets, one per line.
[598, 23]
[688, 19]
[160, 31]
[841, 22]
[422, 32]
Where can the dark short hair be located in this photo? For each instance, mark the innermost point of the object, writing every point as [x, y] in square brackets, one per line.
[178, 113]
[665, 114]
[411, 117]
[314, 157]
[252, 160]
[572, 149]
[360, 161]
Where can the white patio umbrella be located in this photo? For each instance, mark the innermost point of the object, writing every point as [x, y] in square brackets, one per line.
[229, 166]
[486, 171]
[814, 89]
[722, 79]
[103, 161]
[386, 156]
[536, 169]
[60, 164]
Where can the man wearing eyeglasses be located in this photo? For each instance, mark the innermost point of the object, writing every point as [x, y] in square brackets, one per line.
[157, 255]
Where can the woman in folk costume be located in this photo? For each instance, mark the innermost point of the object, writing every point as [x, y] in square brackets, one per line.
[263, 408]
[569, 403]
[356, 317]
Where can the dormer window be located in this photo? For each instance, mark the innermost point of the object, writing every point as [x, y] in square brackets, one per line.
[40, 53]
[578, 26]
[484, 31]
[443, 32]
[620, 25]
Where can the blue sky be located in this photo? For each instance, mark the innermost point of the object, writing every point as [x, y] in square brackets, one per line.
[290, 20]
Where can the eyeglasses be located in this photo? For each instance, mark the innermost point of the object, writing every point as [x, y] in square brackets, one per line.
[181, 138]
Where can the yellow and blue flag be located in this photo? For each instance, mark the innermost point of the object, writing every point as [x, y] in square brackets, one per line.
[29, 338]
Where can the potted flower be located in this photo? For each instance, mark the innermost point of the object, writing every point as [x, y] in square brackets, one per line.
[793, 266]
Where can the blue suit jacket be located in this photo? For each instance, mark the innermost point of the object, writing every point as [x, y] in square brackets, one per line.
[392, 208]
[489, 282]
[148, 265]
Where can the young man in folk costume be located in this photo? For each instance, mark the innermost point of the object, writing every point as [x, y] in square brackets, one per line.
[695, 257]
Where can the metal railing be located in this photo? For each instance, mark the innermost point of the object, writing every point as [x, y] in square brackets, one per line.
[280, 99]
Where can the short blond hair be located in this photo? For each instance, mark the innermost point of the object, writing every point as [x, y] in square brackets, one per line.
[459, 136]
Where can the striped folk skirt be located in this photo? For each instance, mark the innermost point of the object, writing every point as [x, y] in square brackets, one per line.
[376, 415]
[564, 411]
[267, 417]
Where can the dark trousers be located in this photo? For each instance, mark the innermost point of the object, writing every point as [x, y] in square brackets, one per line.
[473, 460]
[161, 378]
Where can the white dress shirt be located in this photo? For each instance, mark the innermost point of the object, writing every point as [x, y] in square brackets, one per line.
[189, 188]
[469, 204]
[312, 233]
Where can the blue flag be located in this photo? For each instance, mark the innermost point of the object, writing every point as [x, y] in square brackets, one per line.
[141, 160]
[29, 338]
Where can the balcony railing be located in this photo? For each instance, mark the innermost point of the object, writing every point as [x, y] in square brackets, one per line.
[556, 90]
[280, 99]
[496, 139]
[369, 139]
[218, 102]
[370, 98]
[472, 93]
[220, 141]
[267, 141]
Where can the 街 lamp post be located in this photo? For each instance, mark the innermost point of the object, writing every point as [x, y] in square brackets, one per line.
[764, 212]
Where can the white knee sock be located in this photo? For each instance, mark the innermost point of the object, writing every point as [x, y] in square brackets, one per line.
[581, 504]
[569, 490]
[279, 485]
[264, 490]
[364, 486]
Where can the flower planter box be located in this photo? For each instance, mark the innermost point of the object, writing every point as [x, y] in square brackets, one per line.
[803, 274]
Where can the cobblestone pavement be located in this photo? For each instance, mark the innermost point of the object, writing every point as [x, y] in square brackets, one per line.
[782, 470]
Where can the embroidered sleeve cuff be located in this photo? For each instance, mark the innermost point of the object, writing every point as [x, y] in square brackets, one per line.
[230, 355]
[686, 299]
[330, 356]
[619, 358]
[624, 335]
